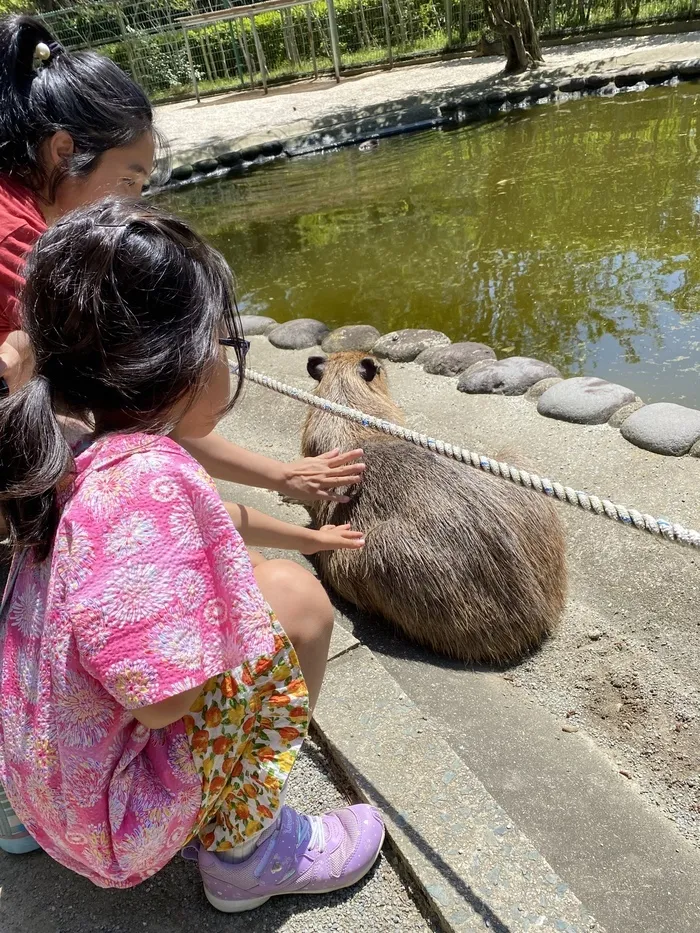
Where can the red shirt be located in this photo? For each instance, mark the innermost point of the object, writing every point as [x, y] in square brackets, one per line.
[21, 225]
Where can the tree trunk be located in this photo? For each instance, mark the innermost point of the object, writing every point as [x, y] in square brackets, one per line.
[512, 21]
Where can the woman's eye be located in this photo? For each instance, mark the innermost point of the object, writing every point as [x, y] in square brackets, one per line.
[129, 182]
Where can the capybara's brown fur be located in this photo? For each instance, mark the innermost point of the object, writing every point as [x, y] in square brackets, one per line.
[485, 47]
[458, 560]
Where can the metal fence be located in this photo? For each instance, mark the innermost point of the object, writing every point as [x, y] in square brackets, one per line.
[146, 37]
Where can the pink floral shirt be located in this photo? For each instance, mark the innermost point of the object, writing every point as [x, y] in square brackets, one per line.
[149, 592]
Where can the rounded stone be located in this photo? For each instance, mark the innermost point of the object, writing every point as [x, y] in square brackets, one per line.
[540, 90]
[455, 359]
[182, 172]
[689, 69]
[657, 74]
[596, 82]
[512, 376]
[537, 391]
[205, 165]
[403, 346]
[353, 337]
[255, 324]
[663, 428]
[474, 111]
[251, 153]
[572, 85]
[517, 95]
[229, 158]
[300, 334]
[628, 78]
[495, 99]
[622, 414]
[584, 400]
[272, 148]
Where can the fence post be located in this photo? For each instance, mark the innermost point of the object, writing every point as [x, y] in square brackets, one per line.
[312, 44]
[552, 15]
[195, 83]
[243, 38]
[387, 30]
[236, 52]
[129, 48]
[335, 46]
[260, 53]
[448, 22]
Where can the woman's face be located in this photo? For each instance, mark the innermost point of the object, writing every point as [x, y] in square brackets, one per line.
[121, 171]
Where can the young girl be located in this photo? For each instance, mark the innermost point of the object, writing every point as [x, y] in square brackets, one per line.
[150, 690]
[73, 129]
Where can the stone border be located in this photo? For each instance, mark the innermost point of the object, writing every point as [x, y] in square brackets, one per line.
[662, 428]
[460, 109]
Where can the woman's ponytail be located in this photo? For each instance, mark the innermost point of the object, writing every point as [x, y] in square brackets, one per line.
[35, 458]
[19, 37]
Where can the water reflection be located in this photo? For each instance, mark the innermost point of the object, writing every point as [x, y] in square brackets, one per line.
[566, 232]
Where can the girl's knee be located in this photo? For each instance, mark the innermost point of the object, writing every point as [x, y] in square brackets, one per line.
[288, 586]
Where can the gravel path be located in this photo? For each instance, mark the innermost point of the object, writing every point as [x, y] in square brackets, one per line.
[190, 126]
[38, 894]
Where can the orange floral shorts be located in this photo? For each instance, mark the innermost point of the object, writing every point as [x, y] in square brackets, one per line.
[245, 731]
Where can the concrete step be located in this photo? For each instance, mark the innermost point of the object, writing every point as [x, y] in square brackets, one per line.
[473, 864]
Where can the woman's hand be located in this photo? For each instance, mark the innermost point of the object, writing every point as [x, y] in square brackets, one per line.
[315, 478]
[334, 538]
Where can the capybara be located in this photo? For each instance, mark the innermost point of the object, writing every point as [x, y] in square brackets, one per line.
[486, 46]
[458, 560]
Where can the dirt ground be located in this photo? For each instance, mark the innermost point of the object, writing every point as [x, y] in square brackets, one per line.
[633, 697]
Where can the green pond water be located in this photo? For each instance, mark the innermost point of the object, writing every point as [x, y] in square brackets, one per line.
[567, 232]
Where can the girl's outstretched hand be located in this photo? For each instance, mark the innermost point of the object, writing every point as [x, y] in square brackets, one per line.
[315, 478]
[334, 538]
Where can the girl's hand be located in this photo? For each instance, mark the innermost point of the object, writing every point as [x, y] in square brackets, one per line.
[315, 478]
[334, 538]
[16, 360]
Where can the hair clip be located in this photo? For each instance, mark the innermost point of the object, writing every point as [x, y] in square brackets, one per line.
[44, 50]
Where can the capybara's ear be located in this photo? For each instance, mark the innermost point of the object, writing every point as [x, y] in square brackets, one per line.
[368, 368]
[315, 366]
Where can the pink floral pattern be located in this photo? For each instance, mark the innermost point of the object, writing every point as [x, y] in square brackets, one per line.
[148, 593]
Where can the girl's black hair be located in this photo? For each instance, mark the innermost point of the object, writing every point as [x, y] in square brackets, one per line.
[124, 306]
[82, 93]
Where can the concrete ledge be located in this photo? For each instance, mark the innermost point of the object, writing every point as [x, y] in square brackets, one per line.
[474, 866]
[468, 104]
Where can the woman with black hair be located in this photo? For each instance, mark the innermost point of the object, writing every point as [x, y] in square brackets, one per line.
[75, 128]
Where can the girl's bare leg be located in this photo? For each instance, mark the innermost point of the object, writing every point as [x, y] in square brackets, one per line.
[305, 613]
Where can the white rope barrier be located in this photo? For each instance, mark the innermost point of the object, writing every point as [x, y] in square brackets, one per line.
[660, 527]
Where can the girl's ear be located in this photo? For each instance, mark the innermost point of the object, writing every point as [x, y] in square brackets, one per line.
[316, 366]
